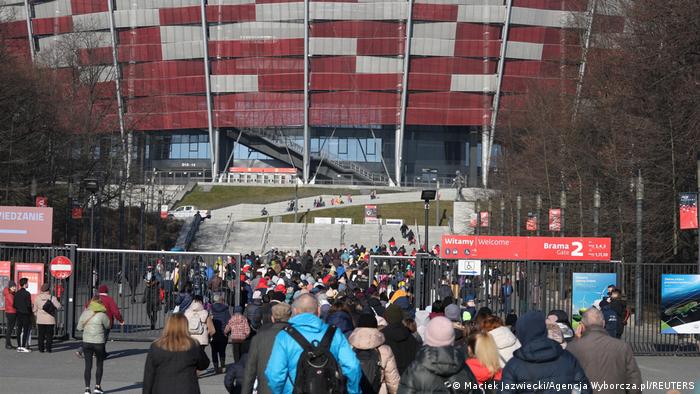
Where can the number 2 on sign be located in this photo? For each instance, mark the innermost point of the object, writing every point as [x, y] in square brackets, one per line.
[579, 248]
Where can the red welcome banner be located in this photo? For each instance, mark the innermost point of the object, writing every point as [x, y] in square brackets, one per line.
[525, 248]
[688, 211]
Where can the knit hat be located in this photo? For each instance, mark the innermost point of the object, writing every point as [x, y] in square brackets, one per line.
[103, 289]
[531, 326]
[452, 312]
[367, 320]
[331, 293]
[262, 284]
[281, 289]
[439, 332]
[393, 314]
[45, 287]
[257, 295]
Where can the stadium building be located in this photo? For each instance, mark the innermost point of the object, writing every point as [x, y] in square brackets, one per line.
[204, 85]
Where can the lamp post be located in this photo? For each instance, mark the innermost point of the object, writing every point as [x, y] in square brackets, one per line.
[91, 186]
[538, 203]
[596, 211]
[427, 196]
[503, 216]
[639, 197]
[518, 207]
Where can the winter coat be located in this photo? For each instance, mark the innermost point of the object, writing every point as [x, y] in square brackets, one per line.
[220, 317]
[375, 307]
[9, 301]
[23, 302]
[506, 343]
[433, 367]
[342, 321]
[93, 323]
[112, 308]
[481, 373]
[235, 373]
[258, 356]
[42, 317]
[254, 314]
[197, 311]
[605, 358]
[183, 302]
[402, 344]
[542, 360]
[281, 369]
[365, 338]
[173, 372]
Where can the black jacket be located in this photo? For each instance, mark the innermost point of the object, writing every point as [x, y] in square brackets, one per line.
[433, 368]
[542, 360]
[258, 356]
[23, 302]
[402, 344]
[173, 372]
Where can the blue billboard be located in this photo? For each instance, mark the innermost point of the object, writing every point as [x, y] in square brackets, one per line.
[589, 287]
[680, 304]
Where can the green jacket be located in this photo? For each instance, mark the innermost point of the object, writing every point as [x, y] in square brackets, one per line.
[94, 322]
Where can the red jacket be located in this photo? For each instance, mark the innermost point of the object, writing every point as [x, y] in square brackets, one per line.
[9, 301]
[481, 373]
[112, 308]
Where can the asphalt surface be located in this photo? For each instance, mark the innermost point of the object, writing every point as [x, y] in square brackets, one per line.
[61, 371]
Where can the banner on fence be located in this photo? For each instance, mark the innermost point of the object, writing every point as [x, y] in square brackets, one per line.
[555, 219]
[5, 268]
[680, 304]
[34, 272]
[26, 225]
[688, 208]
[525, 248]
[588, 288]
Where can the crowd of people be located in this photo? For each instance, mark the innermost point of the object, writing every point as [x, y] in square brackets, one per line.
[317, 323]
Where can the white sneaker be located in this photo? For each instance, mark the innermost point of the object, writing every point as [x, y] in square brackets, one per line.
[23, 350]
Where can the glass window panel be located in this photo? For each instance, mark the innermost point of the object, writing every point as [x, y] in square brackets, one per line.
[343, 146]
[371, 146]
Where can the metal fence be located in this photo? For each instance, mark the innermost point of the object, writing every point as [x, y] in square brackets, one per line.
[144, 296]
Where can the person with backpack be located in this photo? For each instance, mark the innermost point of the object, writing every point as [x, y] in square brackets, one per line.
[200, 322]
[45, 308]
[379, 372]
[238, 330]
[93, 323]
[483, 359]
[220, 317]
[611, 320]
[309, 356]
[438, 365]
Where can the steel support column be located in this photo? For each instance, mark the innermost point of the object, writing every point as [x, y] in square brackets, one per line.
[213, 140]
[584, 56]
[398, 151]
[126, 142]
[488, 135]
[306, 173]
[30, 31]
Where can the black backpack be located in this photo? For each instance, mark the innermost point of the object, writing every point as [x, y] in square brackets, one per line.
[371, 363]
[317, 369]
[49, 307]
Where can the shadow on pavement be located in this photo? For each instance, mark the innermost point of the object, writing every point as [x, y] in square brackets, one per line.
[126, 353]
[126, 388]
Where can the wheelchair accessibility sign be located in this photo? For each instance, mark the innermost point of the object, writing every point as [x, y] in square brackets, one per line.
[469, 267]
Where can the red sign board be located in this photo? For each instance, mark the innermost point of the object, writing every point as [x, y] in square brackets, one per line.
[555, 219]
[688, 208]
[34, 272]
[525, 248]
[26, 225]
[61, 267]
[5, 268]
[42, 202]
[76, 213]
[531, 224]
[263, 170]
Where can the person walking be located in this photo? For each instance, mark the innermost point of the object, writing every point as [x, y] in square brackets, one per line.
[604, 358]
[379, 372]
[438, 364]
[220, 317]
[260, 350]
[541, 361]
[113, 314]
[403, 344]
[94, 323]
[173, 360]
[10, 313]
[238, 331]
[201, 325]
[151, 295]
[24, 309]
[282, 372]
[45, 308]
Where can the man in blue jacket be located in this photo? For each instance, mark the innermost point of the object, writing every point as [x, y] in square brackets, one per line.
[281, 370]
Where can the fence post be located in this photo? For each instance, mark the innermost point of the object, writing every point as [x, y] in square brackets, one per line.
[71, 284]
[518, 207]
[237, 290]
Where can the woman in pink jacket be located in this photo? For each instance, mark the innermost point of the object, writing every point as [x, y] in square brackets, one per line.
[46, 317]
[368, 343]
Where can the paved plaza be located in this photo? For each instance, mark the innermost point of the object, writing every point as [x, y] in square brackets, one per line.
[61, 372]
